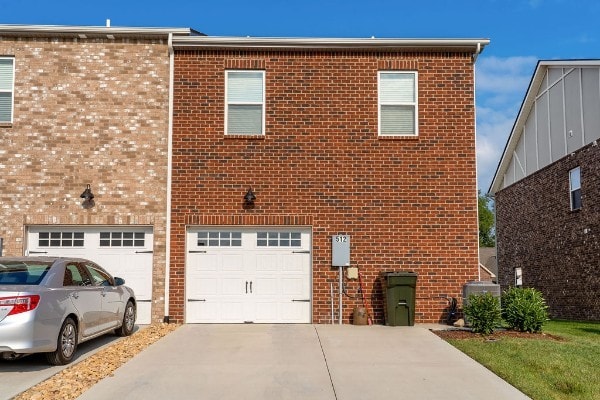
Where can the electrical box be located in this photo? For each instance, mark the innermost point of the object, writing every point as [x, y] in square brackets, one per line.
[352, 272]
[340, 251]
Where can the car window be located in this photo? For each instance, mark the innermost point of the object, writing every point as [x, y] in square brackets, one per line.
[23, 273]
[99, 277]
[75, 275]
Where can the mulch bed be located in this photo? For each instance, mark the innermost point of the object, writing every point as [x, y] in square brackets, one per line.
[497, 335]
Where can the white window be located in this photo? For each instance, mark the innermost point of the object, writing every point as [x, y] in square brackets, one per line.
[245, 98]
[60, 239]
[575, 188]
[518, 277]
[279, 239]
[7, 78]
[220, 239]
[398, 109]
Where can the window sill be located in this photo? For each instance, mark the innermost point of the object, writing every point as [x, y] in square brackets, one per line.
[398, 137]
[251, 137]
[6, 124]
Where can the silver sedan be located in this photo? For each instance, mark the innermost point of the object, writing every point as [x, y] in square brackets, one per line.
[51, 305]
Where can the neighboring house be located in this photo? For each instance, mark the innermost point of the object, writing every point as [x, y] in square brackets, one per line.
[281, 143]
[86, 106]
[547, 187]
[488, 267]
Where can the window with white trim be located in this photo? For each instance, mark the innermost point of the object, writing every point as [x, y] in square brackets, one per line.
[575, 188]
[398, 108]
[245, 102]
[122, 239]
[7, 79]
[60, 239]
[278, 239]
[220, 239]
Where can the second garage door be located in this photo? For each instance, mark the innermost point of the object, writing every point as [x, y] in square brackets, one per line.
[248, 275]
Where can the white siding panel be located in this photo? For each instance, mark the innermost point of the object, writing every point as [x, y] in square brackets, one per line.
[591, 103]
[543, 131]
[520, 160]
[530, 145]
[573, 111]
[554, 74]
[509, 177]
[557, 123]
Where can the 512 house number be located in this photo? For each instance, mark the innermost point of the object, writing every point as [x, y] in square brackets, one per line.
[341, 239]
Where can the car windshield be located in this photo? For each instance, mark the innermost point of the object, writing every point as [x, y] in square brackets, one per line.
[23, 273]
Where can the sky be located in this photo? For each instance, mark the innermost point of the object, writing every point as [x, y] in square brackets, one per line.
[521, 33]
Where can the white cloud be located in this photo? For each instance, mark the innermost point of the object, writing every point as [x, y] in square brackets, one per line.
[501, 87]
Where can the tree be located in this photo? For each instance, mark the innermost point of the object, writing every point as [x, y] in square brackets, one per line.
[487, 236]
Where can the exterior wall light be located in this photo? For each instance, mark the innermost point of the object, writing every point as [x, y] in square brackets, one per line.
[88, 197]
[249, 198]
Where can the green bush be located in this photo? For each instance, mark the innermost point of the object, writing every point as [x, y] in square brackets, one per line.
[483, 312]
[524, 309]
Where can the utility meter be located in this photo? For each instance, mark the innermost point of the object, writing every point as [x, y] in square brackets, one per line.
[340, 251]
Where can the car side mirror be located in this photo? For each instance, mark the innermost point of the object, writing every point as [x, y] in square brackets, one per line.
[119, 281]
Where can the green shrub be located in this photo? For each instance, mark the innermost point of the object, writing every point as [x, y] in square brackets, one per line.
[524, 309]
[483, 312]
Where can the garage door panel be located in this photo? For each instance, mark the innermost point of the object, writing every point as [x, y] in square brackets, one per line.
[124, 251]
[232, 263]
[255, 280]
[267, 263]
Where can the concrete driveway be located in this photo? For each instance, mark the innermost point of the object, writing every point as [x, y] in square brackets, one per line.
[340, 362]
[19, 375]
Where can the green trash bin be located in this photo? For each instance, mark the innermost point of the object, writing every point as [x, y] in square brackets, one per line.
[400, 289]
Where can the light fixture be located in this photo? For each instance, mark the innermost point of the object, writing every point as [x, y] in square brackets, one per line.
[249, 197]
[88, 198]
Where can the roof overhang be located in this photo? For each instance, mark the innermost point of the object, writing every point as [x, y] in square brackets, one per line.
[91, 31]
[474, 46]
[526, 106]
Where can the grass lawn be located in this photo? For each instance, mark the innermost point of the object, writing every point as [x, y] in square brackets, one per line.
[541, 368]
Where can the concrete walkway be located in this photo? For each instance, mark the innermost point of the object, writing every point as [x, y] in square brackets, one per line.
[330, 362]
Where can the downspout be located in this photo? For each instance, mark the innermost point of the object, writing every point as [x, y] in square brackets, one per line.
[169, 176]
[475, 55]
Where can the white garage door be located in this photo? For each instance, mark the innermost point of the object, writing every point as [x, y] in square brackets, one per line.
[243, 275]
[124, 251]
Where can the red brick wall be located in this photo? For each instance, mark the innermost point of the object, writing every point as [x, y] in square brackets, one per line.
[409, 204]
[556, 248]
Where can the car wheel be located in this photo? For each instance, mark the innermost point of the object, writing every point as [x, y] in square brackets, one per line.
[66, 344]
[128, 324]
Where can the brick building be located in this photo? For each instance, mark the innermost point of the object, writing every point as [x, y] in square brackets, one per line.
[86, 106]
[546, 189]
[281, 144]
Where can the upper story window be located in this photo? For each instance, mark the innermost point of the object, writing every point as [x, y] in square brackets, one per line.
[245, 102]
[575, 188]
[398, 109]
[7, 78]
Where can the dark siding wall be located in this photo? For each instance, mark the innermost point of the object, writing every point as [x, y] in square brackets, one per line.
[558, 249]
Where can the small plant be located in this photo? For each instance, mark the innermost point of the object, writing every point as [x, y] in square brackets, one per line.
[483, 313]
[524, 309]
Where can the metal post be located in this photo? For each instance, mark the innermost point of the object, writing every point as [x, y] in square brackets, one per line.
[340, 316]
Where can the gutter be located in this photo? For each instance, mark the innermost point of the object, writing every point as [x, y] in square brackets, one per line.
[85, 31]
[187, 42]
[169, 176]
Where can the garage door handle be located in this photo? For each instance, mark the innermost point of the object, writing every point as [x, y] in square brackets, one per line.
[143, 301]
[38, 252]
[301, 301]
[301, 252]
[196, 299]
[143, 252]
[197, 251]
